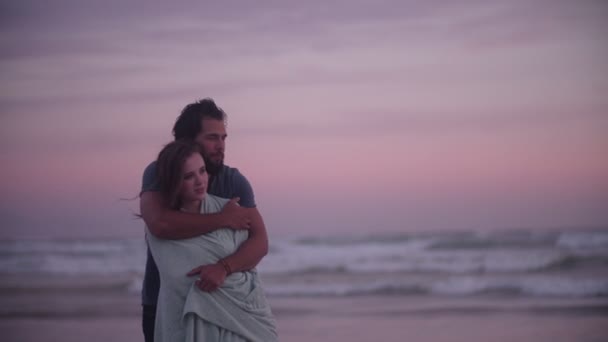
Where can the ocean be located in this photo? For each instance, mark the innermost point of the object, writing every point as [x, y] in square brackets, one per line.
[518, 263]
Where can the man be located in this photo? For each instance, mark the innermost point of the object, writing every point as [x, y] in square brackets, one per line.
[204, 123]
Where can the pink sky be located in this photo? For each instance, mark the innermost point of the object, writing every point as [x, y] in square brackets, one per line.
[345, 116]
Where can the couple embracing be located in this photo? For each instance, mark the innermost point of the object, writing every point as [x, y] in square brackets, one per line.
[205, 237]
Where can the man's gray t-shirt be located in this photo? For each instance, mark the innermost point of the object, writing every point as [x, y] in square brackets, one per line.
[228, 183]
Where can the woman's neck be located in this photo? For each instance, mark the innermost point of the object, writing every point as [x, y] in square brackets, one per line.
[191, 206]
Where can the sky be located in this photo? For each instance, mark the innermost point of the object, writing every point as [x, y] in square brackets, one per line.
[347, 117]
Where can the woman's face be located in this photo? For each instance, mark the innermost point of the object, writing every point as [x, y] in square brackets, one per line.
[194, 179]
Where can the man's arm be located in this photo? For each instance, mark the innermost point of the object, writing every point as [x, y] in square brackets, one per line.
[249, 253]
[165, 223]
[247, 256]
[252, 250]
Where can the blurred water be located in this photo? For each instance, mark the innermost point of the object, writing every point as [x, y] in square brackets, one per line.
[522, 263]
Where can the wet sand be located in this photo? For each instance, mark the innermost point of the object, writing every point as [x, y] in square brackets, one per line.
[103, 309]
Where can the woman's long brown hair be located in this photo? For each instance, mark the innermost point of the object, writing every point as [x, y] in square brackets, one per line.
[169, 169]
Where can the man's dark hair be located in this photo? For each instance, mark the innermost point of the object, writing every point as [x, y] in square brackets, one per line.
[188, 123]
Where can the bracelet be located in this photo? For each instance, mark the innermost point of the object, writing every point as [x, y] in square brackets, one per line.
[226, 266]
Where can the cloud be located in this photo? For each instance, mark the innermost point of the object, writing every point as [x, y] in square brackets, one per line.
[423, 87]
[72, 55]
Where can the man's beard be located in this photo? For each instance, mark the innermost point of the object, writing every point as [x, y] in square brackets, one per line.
[213, 168]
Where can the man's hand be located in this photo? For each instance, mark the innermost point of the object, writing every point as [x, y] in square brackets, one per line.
[210, 276]
[235, 216]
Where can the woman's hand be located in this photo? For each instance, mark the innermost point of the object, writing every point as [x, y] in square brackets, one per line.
[211, 276]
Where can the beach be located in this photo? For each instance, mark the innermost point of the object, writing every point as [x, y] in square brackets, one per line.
[95, 308]
[518, 285]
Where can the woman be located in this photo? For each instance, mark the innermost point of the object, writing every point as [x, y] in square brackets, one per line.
[238, 310]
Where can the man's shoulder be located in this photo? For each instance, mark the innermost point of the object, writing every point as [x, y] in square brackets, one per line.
[148, 182]
[230, 170]
[231, 183]
[151, 166]
[231, 173]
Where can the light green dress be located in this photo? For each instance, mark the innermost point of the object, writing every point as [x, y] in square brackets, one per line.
[237, 311]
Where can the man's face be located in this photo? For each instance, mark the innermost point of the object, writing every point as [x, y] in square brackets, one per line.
[212, 140]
